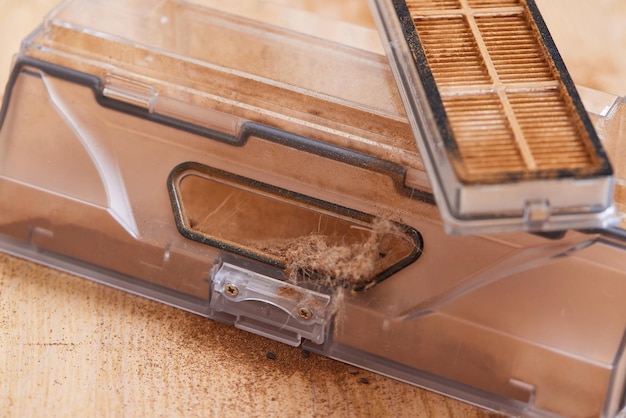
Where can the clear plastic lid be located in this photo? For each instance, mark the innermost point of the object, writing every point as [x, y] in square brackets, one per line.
[184, 59]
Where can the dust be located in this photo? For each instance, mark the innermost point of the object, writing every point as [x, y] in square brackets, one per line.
[349, 263]
[342, 265]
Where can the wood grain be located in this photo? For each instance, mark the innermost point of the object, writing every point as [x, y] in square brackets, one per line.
[70, 347]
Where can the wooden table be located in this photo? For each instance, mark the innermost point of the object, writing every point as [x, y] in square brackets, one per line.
[70, 347]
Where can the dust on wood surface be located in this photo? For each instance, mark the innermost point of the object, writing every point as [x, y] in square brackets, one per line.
[70, 347]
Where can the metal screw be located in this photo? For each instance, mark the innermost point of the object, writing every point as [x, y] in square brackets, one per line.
[231, 290]
[305, 313]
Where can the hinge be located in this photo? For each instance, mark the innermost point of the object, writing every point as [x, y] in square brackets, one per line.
[130, 91]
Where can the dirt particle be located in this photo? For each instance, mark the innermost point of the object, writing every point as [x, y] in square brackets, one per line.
[336, 261]
[364, 380]
[270, 355]
[352, 370]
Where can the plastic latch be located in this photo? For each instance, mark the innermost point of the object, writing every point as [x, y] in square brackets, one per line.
[269, 307]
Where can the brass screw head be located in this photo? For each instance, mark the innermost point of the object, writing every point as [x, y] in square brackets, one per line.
[305, 313]
[231, 290]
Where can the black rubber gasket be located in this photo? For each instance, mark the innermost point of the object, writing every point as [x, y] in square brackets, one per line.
[193, 168]
[395, 171]
[248, 129]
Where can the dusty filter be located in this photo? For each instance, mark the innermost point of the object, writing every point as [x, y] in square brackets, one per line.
[505, 138]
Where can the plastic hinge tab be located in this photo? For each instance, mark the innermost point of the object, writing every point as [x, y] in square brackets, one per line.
[129, 91]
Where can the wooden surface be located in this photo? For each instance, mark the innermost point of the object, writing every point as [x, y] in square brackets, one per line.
[69, 347]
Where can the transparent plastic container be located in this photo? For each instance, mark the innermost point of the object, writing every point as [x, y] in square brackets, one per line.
[268, 178]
